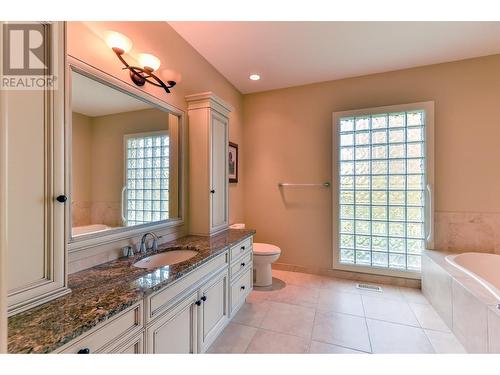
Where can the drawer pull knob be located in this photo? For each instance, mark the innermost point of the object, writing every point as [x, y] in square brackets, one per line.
[242, 287]
[212, 191]
[62, 199]
[242, 248]
[198, 303]
[243, 264]
[204, 298]
[84, 351]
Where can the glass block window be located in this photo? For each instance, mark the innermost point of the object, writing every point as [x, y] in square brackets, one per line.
[147, 178]
[381, 190]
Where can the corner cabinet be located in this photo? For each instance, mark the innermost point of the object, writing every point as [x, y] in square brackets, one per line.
[35, 170]
[208, 163]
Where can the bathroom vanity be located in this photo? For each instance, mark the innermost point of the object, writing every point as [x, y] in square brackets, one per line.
[116, 307]
[115, 167]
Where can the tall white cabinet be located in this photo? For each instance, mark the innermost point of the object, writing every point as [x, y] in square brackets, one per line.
[208, 163]
[34, 181]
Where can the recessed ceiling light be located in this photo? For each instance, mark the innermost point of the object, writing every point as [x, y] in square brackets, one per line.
[254, 77]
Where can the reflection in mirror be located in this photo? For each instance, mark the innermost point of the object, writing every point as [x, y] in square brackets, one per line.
[125, 159]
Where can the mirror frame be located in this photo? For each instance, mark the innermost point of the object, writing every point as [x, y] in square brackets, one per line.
[122, 233]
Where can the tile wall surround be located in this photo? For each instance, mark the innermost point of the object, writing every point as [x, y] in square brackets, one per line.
[108, 213]
[86, 213]
[493, 326]
[467, 231]
[80, 213]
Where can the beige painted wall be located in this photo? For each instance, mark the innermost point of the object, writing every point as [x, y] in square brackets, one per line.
[288, 136]
[81, 169]
[85, 42]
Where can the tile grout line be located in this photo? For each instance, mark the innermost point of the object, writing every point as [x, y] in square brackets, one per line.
[259, 327]
[420, 326]
[366, 326]
[250, 341]
[354, 315]
[343, 346]
[312, 331]
[424, 328]
[256, 328]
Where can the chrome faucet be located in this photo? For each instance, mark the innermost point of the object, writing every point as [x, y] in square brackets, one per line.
[154, 245]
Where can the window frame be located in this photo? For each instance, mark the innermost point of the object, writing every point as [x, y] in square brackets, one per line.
[428, 107]
[126, 137]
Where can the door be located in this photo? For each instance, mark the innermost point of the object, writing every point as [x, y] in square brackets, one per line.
[34, 178]
[175, 332]
[214, 312]
[218, 177]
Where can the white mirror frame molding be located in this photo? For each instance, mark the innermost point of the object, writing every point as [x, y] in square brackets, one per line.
[118, 234]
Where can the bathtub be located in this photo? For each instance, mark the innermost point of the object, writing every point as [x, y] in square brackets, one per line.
[482, 267]
[86, 229]
[464, 289]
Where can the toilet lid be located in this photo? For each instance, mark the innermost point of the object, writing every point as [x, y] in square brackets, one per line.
[265, 249]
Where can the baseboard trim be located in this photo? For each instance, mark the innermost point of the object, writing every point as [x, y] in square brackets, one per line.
[349, 275]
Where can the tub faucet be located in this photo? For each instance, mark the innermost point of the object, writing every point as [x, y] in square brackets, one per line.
[154, 245]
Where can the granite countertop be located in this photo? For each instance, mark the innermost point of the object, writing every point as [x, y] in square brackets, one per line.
[100, 292]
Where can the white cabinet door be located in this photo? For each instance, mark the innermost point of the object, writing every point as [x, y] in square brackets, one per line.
[175, 332]
[134, 346]
[214, 312]
[208, 163]
[35, 176]
[218, 177]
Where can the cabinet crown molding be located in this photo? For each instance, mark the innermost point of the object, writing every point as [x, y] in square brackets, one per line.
[208, 100]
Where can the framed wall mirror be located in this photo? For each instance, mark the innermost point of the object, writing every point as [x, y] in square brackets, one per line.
[126, 159]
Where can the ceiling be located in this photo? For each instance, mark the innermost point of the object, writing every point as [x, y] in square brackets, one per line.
[93, 99]
[289, 54]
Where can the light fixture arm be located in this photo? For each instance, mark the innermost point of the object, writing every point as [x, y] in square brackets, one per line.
[142, 75]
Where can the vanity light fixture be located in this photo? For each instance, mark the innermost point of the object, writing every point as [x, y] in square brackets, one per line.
[254, 77]
[120, 45]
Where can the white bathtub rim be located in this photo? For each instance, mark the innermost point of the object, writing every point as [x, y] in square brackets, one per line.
[85, 229]
[492, 290]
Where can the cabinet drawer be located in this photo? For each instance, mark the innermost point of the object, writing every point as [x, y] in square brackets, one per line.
[244, 247]
[240, 288]
[158, 302]
[108, 333]
[240, 264]
[131, 346]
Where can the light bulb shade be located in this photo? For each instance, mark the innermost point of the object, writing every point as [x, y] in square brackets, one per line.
[148, 61]
[116, 40]
[171, 75]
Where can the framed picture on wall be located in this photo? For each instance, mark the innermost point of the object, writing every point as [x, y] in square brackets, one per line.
[233, 162]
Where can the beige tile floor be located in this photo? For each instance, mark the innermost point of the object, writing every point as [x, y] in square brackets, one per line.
[305, 313]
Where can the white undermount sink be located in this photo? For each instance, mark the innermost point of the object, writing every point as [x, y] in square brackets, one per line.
[166, 258]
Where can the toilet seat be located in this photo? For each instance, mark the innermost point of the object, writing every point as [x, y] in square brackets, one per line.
[265, 249]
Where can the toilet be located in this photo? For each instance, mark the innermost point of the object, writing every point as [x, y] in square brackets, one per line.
[264, 255]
